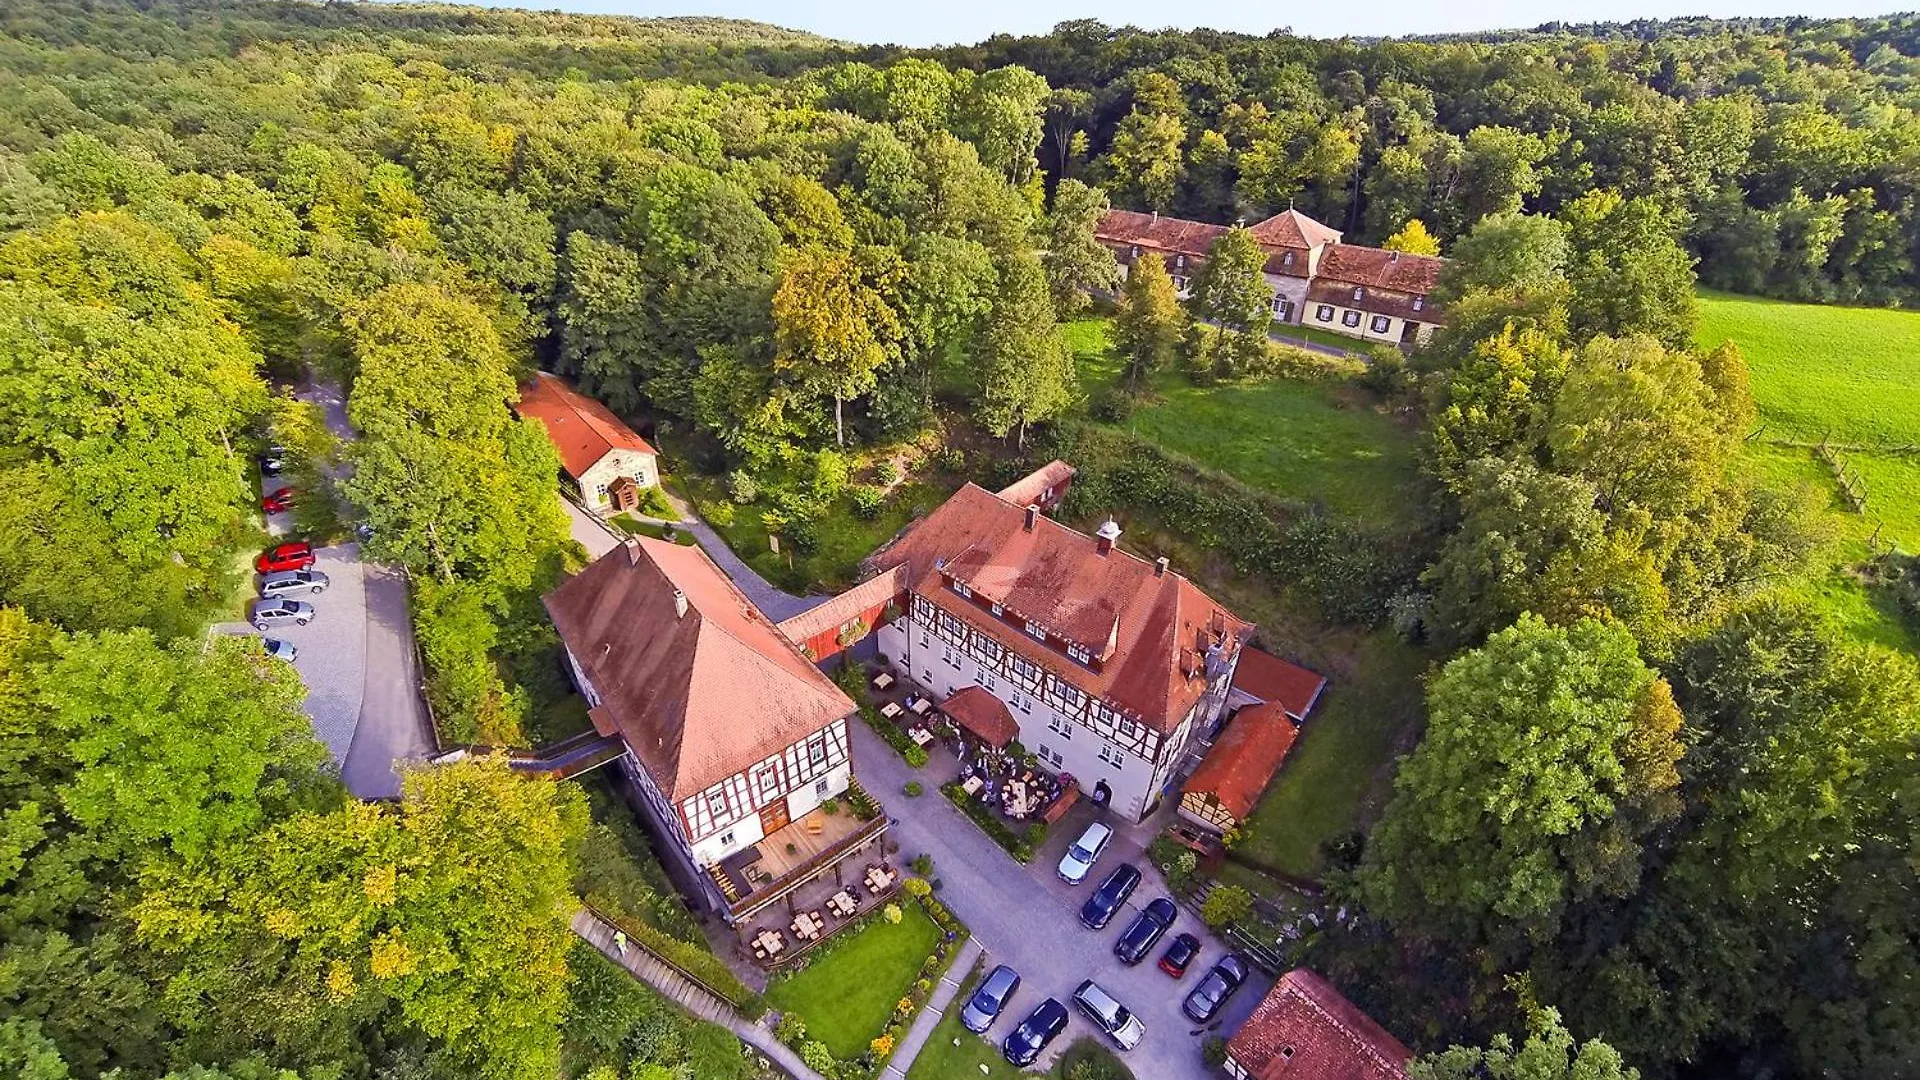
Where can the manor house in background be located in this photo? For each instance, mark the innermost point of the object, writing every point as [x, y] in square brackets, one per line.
[1363, 292]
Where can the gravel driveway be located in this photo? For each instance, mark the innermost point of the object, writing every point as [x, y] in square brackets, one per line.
[1027, 917]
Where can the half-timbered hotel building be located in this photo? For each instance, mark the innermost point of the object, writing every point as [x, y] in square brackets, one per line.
[1108, 663]
[734, 738]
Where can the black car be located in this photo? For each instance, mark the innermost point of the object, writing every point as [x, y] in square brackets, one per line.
[1222, 980]
[273, 460]
[1144, 932]
[1098, 911]
[1179, 954]
[983, 1008]
[1035, 1032]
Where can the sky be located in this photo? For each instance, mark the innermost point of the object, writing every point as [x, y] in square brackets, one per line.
[934, 22]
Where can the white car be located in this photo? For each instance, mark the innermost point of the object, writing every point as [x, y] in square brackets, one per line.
[1078, 861]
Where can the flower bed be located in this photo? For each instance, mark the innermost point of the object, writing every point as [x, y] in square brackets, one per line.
[1021, 845]
[873, 1060]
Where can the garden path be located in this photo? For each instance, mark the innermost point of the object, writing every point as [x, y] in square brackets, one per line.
[935, 1007]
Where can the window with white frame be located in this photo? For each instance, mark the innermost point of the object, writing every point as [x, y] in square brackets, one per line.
[1036, 631]
[717, 803]
[1324, 313]
[1358, 292]
[1380, 324]
[1079, 652]
[1179, 262]
[820, 787]
[1419, 302]
[961, 588]
[1061, 727]
[1351, 318]
[1179, 283]
[817, 750]
[998, 610]
[726, 839]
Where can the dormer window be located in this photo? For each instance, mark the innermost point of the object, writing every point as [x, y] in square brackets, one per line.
[1133, 252]
[1179, 262]
[1079, 652]
[1357, 292]
[961, 588]
[1419, 302]
[1036, 631]
[998, 610]
[1286, 259]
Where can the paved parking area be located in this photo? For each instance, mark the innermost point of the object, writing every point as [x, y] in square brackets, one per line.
[1027, 917]
[333, 648]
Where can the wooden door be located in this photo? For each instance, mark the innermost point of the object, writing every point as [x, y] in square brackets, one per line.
[773, 816]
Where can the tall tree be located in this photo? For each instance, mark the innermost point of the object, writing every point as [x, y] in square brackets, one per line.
[1231, 290]
[1150, 323]
[1076, 262]
[1027, 374]
[1146, 159]
[1628, 272]
[832, 326]
[1413, 238]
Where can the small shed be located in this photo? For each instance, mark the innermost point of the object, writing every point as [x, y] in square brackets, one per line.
[1227, 785]
[982, 715]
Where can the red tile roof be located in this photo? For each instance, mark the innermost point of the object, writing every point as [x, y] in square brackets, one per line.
[835, 613]
[1265, 676]
[699, 696]
[1157, 231]
[1377, 268]
[1291, 228]
[983, 714]
[1241, 761]
[1151, 631]
[1031, 489]
[1305, 1030]
[582, 429]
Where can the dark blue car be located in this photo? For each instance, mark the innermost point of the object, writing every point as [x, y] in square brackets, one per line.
[1144, 932]
[1099, 909]
[1040, 1027]
[983, 1008]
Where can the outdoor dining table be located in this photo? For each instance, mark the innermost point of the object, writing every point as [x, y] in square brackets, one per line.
[844, 903]
[878, 879]
[882, 681]
[920, 707]
[768, 943]
[920, 736]
[890, 710]
[972, 785]
[807, 925]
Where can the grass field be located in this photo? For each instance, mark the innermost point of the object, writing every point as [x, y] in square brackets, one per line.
[1848, 374]
[843, 538]
[1318, 441]
[847, 995]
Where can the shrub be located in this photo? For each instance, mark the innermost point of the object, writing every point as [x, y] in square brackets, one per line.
[917, 887]
[1112, 405]
[742, 487]
[867, 502]
[1226, 905]
[792, 1030]
[815, 1055]
[914, 789]
[881, 1047]
[922, 864]
[1013, 843]
[1213, 1051]
[720, 514]
[887, 473]
[830, 473]
[952, 459]
[916, 755]
[831, 807]
[892, 913]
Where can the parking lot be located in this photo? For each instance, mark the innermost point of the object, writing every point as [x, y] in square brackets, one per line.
[1027, 917]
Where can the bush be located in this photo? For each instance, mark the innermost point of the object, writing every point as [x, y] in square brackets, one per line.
[830, 474]
[1213, 1051]
[887, 473]
[914, 789]
[792, 1030]
[893, 914]
[922, 864]
[952, 459]
[1013, 843]
[881, 1047]
[916, 755]
[831, 807]
[1226, 905]
[868, 501]
[1112, 405]
[718, 514]
[917, 888]
[742, 487]
[815, 1055]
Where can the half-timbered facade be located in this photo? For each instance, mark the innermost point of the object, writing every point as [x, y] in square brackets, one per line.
[1107, 662]
[732, 733]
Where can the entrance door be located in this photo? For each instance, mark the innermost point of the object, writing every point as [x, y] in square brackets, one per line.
[1408, 328]
[773, 816]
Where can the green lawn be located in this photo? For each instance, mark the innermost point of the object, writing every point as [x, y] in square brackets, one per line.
[847, 995]
[1321, 441]
[1851, 374]
[844, 539]
[648, 528]
[1341, 754]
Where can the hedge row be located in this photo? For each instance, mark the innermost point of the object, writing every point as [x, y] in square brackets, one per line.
[1349, 572]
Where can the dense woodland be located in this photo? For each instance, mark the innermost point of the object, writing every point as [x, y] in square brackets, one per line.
[1655, 800]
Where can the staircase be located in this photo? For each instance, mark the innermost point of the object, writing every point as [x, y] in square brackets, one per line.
[650, 969]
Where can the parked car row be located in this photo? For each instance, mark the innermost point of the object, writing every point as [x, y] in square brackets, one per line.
[286, 571]
[1024, 1045]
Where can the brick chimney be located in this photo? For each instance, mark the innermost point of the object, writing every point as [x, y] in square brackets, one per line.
[1160, 566]
[1033, 516]
[1106, 535]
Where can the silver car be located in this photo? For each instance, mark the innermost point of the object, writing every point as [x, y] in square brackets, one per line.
[279, 650]
[270, 613]
[291, 582]
[1107, 1014]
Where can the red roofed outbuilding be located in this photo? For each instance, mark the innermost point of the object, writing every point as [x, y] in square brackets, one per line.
[600, 452]
[1304, 1029]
